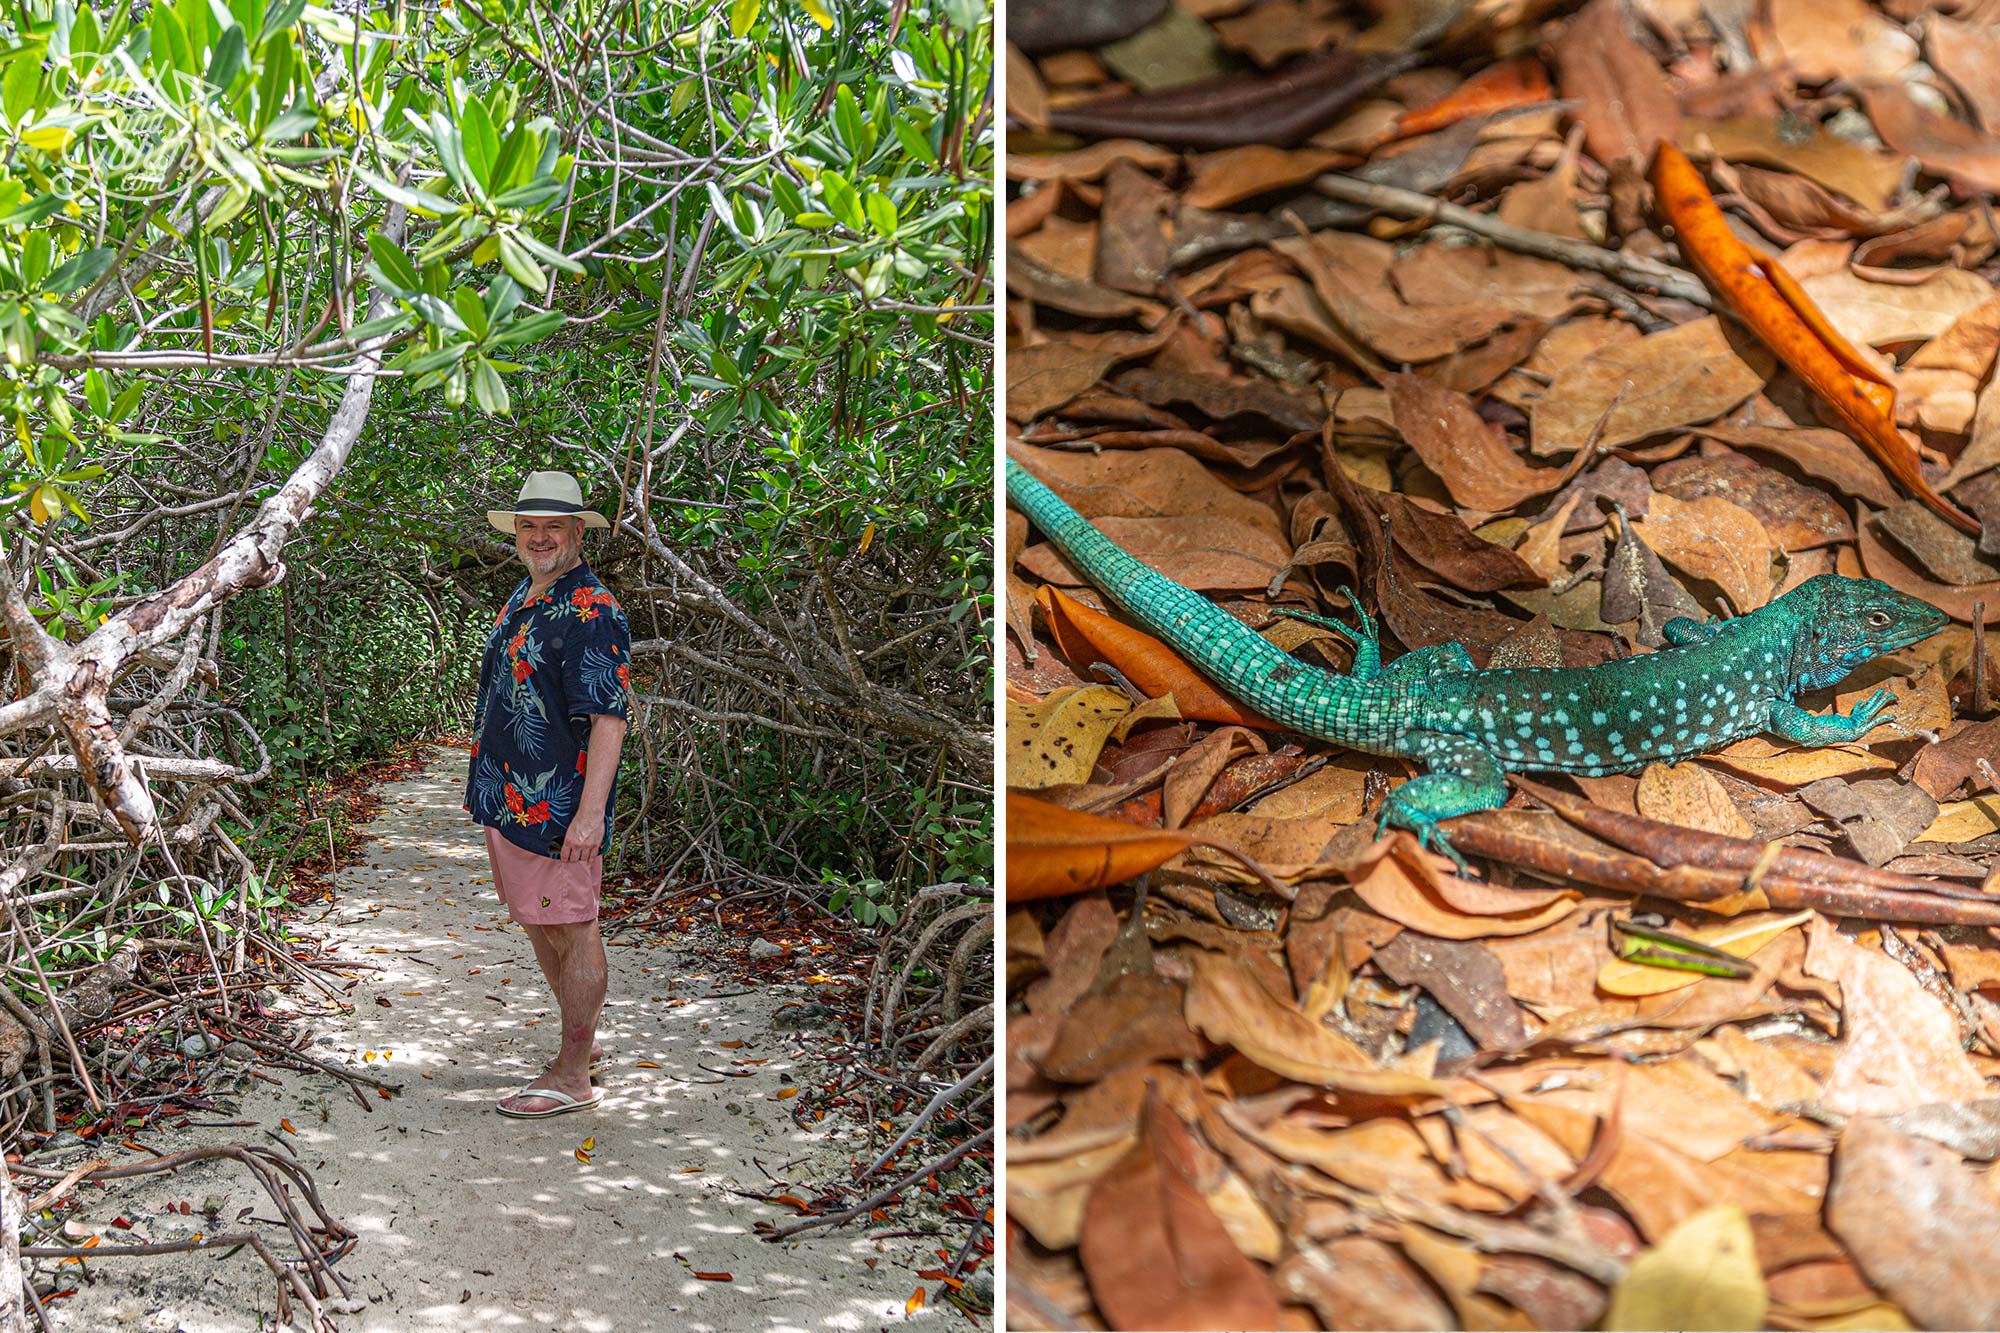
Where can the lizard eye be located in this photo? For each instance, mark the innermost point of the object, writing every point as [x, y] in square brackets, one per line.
[1878, 620]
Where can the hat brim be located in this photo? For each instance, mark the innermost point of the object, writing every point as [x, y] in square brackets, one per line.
[503, 519]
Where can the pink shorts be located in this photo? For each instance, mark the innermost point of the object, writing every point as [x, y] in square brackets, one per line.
[542, 891]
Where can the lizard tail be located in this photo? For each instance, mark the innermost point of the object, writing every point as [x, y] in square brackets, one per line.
[1237, 658]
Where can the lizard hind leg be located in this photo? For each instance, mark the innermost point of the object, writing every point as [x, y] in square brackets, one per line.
[1421, 665]
[1367, 643]
[1464, 776]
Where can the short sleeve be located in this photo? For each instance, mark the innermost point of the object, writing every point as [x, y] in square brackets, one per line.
[597, 674]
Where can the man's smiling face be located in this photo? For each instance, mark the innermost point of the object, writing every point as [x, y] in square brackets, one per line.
[548, 545]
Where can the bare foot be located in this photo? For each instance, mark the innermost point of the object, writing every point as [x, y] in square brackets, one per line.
[526, 1100]
[596, 1055]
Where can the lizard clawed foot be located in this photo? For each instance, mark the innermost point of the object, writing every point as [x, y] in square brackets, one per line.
[1429, 835]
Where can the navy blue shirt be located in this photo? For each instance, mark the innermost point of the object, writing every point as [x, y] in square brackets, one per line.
[550, 664]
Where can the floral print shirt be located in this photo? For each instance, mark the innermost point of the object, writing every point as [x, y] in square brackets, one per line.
[550, 664]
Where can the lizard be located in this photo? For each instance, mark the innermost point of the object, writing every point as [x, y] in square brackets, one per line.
[1709, 685]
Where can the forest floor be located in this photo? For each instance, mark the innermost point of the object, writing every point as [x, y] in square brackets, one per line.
[467, 1219]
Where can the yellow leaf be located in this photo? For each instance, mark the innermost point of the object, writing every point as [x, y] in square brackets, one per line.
[1702, 1275]
[590, 1144]
[1962, 821]
[37, 510]
[915, 1303]
[867, 539]
[644, 1064]
[583, 1156]
[1738, 937]
[816, 10]
[366, 1056]
[48, 138]
[1058, 740]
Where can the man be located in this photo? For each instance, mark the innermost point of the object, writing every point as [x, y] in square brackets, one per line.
[547, 730]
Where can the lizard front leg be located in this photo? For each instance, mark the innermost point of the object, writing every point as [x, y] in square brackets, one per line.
[1796, 724]
[1464, 777]
[1682, 630]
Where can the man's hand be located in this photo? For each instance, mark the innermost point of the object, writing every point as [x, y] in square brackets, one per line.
[585, 838]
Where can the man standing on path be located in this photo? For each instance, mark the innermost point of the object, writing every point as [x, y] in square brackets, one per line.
[547, 731]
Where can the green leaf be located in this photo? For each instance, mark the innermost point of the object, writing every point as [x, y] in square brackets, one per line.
[481, 145]
[21, 85]
[529, 329]
[395, 265]
[470, 309]
[232, 52]
[488, 389]
[520, 265]
[743, 16]
[841, 200]
[428, 205]
[548, 254]
[882, 213]
[33, 211]
[80, 271]
[170, 42]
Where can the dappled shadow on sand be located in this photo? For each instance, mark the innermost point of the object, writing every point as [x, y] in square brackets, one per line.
[470, 1219]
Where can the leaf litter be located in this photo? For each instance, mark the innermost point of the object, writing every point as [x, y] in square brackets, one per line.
[1372, 314]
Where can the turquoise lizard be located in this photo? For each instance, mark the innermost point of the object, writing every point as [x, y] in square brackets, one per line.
[1712, 684]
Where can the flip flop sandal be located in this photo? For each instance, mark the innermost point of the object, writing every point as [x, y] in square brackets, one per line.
[564, 1103]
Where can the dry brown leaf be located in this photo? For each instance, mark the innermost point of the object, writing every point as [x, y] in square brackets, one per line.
[1919, 1223]
[1969, 55]
[1680, 377]
[1688, 794]
[1048, 375]
[1835, 39]
[1712, 539]
[1088, 163]
[1227, 1005]
[1628, 104]
[1868, 177]
[1402, 888]
[1475, 464]
[1231, 175]
[1155, 1252]
[1899, 1047]
[1202, 552]
[1875, 314]
[1350, 275]
[1058, 740]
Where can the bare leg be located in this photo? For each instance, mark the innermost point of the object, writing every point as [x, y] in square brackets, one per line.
[576, 972]
[545, 955]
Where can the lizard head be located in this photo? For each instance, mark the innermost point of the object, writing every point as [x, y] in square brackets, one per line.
[1845, 622]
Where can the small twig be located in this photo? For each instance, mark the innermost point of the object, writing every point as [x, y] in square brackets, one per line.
[875, 1201]
[1644, 275]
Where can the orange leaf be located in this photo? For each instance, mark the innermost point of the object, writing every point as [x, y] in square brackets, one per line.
[1520, 82]
[915, 1303]
[286, 1125]
[787, 1092]
[714, 1277]
[1778, 311]
[583, 1156]
[732, 1045]
[1085, 636]
[1052, 851]
[644, 1064]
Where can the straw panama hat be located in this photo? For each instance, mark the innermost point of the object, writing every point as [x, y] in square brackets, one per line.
[547, 494]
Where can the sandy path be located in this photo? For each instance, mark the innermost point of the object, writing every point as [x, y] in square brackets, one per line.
[469, 1220]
